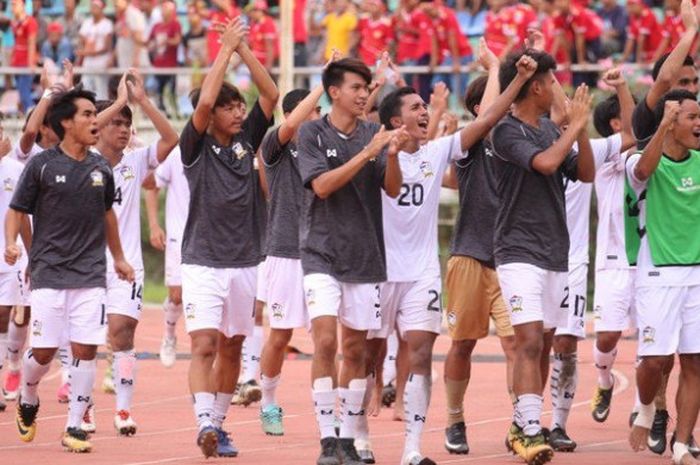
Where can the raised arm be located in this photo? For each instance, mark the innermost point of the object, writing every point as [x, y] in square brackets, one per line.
[31, 130]
[615, 79]
[651, 155]
[439, 101]
[269, 94]
[106, 115]
[490, 62]
[291, 124]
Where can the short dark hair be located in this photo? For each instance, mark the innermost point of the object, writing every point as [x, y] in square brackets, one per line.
[391, 105]
[26, 120]
[474, 93]
[604, 112]
[293, 98]
[126, 112]
[63, 107]
[334, 74]
[508, 71]
[688, 61]
[678, 95]
[227, 94]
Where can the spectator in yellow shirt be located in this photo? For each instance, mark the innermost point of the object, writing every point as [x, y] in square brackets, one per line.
[339, 24]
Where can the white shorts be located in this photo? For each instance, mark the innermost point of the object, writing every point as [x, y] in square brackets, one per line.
[262, 288]
[668, 319]
[533, 294]
[575, 303]
[410, 306]
[123, 297]
[173, 262]
[356, 305]
[219, 298]
[283, 285]
[10, 290]
[80, 312]
[613, 302]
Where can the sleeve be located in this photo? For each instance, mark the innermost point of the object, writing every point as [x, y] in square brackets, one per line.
[147, 159]
[604, 149]
[256, 125]
[271, 149]
[109, 188]
[511, 144]
[32, 26]
[630, 165]
[643, 121]
[312, 162]
[351, 22]
[647, 25]
[191, 144]
[162, 173]
[28, 186]
[453, 147]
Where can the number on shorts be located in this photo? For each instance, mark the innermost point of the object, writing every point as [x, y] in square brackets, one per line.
[580, 306]
[377, 303]
[416, 195]
[102, 315]
[434, 304]
[136, 292]
[565, 302]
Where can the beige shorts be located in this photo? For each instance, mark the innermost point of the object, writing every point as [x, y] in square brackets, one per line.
[474, 296]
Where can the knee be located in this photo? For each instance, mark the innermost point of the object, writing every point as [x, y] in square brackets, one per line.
[203, 346]
[654, 364]
[175, 295]
[565, 344]
[354, 351]
[421, 357]
[690, 365]
[326, 345]
[43, 356]
[463, 349]
[606, 342]
[83, 352]
[531, 348]
[230, 348]
[279, 339]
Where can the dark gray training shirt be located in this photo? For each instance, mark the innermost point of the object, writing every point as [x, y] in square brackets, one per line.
[477, 177]
[644, 123]
[341, 235]
[531, 220]
[68, 200]
[286, 196]
[224, 226]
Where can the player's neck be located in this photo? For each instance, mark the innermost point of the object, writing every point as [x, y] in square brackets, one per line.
[110, 154]
[673, 150]
[527, 112]
[73, 148]
[343, 121]
[412, 145]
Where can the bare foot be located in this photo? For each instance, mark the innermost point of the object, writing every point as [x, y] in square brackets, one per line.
[398, 412]
[638, 438]
[375, 404]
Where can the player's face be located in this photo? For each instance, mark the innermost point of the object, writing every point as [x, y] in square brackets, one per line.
[562, 5]
[414, 115]
[634, 9]
[351, 95]
[228, 119]
[117, 133]
[686, 129]
[687, 80]
[17, 8]
[83, 126]
[543, 89]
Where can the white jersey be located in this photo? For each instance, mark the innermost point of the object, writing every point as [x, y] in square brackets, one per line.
[22, 157]
[578, 200]
[410, 220]
[129, 174]
[10, 171]
[171, 175]
[610, 236]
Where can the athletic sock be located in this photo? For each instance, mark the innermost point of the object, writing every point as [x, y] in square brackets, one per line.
[416, 401]
[204, 409]
[253, 349]
[82, 378]
[324, 396]
[124, 372]
[222, 401]
[362, 428]
[65, 356]
[269, 387]
[454, 391]
[389, 365]
[528, 413]
[351, 406]
[563, 384]
[171, 313]
[16, 335]
[604, 362]
[3, 348]
[32, 372]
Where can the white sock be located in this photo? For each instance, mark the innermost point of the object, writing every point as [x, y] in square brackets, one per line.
[3, 348]
[528, 413]
[563, 384]
[269, 387]
[82, 378]
[222, 401]
[171, 313]
[324, 397]
[16, 335]
[362, 431]
[253, 349]
[124, 372]
[389, 366]
[637, 401]
[32, 373]
[416, 400]
[351, 407]
[65, 356]
[204, 409]
[604, 362]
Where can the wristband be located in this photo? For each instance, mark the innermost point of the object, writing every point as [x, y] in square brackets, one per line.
[48, 93]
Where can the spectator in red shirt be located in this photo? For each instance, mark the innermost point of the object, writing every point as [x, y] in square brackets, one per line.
[164, 42]
[405, 23]
[426, 51]
[25, 29]
[672, 29]
[578, 31]
[223, 11]
[263, 37]
[643, 33]
[301, 35]
[374, 32]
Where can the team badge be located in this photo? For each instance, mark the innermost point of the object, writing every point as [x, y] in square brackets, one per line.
[310, 297]
[36, 328]
[426, 168]
[8, 184]
[277, 312]
[239, 151]
[648, 335]
[189, 311]
[97, 179]
[451, 319]
[516, 303]
[127, 172]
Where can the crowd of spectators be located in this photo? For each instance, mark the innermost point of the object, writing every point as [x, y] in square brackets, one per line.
[167, 34]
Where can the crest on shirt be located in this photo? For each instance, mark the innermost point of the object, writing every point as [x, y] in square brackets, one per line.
[426, 168]
[189, 311]
[239, 151]
[648, 335]
[97, 178]
[8, 184]
[127, 172]
[277, 311]
[516, 303]
[451, 319]
[36, 328]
